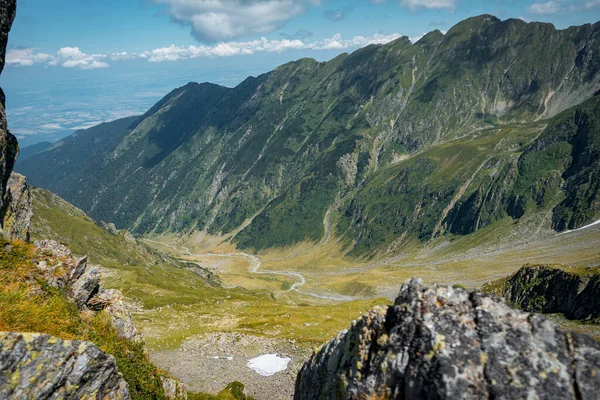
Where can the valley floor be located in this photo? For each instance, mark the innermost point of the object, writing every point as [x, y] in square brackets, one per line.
[295, 299]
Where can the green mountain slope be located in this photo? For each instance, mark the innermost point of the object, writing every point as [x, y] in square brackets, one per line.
[26, 152]
[390, 144]
[143, 273]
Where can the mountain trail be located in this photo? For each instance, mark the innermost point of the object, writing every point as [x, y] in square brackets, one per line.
[254, 266]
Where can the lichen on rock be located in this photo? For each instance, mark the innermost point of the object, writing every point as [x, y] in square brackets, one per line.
[447, 343]
[9, 148]
[37, 366]
[17, 221]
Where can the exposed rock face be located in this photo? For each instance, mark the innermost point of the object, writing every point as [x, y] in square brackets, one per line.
[545, 289]
[9, 149]
[112, 302]
[86, 286]
[17, 221]
[36, 366]
[444, 343]
[82, 283]
[173, 389]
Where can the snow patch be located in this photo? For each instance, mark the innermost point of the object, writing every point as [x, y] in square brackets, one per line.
[583, 227]
[269, 364]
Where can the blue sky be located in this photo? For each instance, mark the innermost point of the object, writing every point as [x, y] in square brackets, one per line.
[73, 63]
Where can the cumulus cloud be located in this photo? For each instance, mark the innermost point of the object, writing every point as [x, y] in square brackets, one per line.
[120, 56]
[68, 57]
[217, 20]
[25, 57]
[336, 42]
[548, 8]
[430, 4]
[73, 57]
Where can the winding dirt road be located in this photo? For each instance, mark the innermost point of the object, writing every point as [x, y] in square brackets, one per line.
[254, 266]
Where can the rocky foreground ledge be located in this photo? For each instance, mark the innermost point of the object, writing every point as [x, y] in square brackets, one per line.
[37, 366]
[445, 343]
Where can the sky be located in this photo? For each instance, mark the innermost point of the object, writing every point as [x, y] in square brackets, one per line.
[72, 64]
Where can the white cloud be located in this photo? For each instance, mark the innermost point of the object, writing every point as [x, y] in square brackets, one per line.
[25, 57]
[548, 8]
[49, 127]
[73, 57]
[68, 57]
[431, 4]
[216, 20]
[336, 42]
[120, 56]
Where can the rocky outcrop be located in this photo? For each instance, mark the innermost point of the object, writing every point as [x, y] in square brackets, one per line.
[36, 366]
[173, 388]
[82, 283]
[447, 343]
[554, 289]
[17, 221]
[9, 148]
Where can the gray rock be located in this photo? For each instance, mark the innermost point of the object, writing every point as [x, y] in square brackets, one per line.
[37, 366]
[85, 287]
[52, 246]
[9, 148]
[445, 343]
[174, 390]
[17, 221]
[548, 289]
[80, 268]
[112, 302]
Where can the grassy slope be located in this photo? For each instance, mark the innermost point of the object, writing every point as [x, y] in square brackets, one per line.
[144, 274]
[177, 302]
[27, 304]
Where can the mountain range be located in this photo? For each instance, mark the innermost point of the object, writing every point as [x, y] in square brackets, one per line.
[493, 123]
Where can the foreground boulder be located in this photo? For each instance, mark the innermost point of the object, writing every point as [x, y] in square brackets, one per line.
[445, 343]
[36, 366]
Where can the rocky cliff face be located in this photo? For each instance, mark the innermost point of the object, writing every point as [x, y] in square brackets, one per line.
[36, 366]
[17, 221]
[9, 148]
[444, 343]
[548, 289]
[82, 283]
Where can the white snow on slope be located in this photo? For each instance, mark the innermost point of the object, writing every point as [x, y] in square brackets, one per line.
[268, 364]
[583, 227]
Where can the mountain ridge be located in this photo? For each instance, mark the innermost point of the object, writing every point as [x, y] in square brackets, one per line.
[282, 150]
